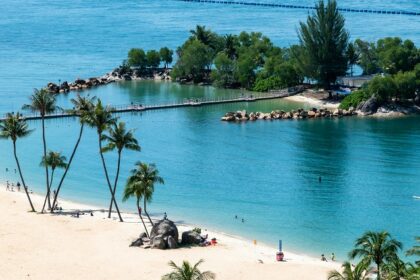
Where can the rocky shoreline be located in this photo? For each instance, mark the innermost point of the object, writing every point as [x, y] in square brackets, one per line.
[282, 115]
[118, 74]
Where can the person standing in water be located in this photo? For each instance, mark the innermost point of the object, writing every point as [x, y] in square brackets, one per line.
[333, 257]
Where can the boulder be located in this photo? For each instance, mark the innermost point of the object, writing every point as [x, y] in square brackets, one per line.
[126, 77]
[172, 244]
[369, 107]
[80, 82]
[64, 86]
[137, 243]
[53, 88]
[311, 114]
[190, 238]
[164, 228]
[158, 242]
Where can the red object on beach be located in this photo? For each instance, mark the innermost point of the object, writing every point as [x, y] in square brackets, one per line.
[279, 256]
[213, 241]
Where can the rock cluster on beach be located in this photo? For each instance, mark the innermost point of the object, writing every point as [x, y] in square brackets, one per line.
[118, 74]
[164, 235]
[282, 115]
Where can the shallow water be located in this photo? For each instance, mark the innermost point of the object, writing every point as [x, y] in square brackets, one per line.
[266, 172]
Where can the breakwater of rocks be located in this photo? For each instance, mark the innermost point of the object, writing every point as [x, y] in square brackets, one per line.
[118, 74]
[282, 115]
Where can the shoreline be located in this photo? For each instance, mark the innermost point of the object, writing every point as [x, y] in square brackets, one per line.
[234, 247]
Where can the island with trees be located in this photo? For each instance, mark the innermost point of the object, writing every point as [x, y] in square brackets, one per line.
[251, 61]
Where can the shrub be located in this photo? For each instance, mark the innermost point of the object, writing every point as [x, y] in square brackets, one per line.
[354, 99]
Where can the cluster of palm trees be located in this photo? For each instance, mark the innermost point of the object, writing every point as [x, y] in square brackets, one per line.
[381, 250]
[111, 132]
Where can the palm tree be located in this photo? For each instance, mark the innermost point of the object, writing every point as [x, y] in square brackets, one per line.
[147, 175]
[14, 127]
[101, 118]
[376, 247]
[119, 138]
[415, 251]
[53, 160]
[82, 106]
[188, 272]
[43, 102]
[135, 188]
[395, 270]
[360, 272]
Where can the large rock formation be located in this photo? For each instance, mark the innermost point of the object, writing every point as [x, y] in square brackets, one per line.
[191, 238]
[369, 106]
[164, 235]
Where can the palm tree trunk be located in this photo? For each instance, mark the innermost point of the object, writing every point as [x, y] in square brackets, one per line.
[21, 177]
[46, 166]
[147, 214]
[379, 272]
[67, 167]
[48, 194]
[116, 182]
[107, 177]
[141, 218]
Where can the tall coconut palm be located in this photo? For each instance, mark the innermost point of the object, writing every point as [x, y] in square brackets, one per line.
[360, 272]
[147, 176]
[15, 127]
[188, 272]
[53, 160]
[376, 247]
[43, 102]
[82, 106]
[101, 118]
[135, 188]
[119, 138]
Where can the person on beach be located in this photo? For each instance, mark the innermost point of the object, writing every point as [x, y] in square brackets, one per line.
[165, 217]
[7, 186]
[323, 258]
[333, 257]
[18, 186]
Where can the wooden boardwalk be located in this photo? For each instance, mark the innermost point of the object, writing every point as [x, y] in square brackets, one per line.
[192, 102]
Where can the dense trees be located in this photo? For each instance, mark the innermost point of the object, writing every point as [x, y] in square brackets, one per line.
[151, 59]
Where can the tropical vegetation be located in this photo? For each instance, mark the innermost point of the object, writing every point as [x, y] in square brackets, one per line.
[188, 272]
[382, 251]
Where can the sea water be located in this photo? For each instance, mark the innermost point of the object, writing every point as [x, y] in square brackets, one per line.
[265, 172]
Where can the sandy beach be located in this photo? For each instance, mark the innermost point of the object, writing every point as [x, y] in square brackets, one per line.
[304, 98]
[40, 246]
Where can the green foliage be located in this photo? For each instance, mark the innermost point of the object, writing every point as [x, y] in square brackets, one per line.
[383, 88]
[197, 230]
[153, 59]
[166, 56]
[137, 58]
[395, 55]
[354, 99]
[195, 58]
[360, 272]
[266, 84]
[367, 57]
[352, 56]
[188, 272]
[376, 248]
[223, 74]
[54, 160]
[324, 40]
[406, 85]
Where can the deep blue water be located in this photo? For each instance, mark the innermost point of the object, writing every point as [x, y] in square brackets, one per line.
[266, 172]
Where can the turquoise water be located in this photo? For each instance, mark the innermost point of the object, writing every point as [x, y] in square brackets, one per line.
[266, 172]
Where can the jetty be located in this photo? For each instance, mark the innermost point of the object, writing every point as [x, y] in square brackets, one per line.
[289, 6]
[187, 102]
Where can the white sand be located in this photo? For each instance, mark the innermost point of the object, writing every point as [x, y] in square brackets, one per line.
[44, 246]
[312, 101]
